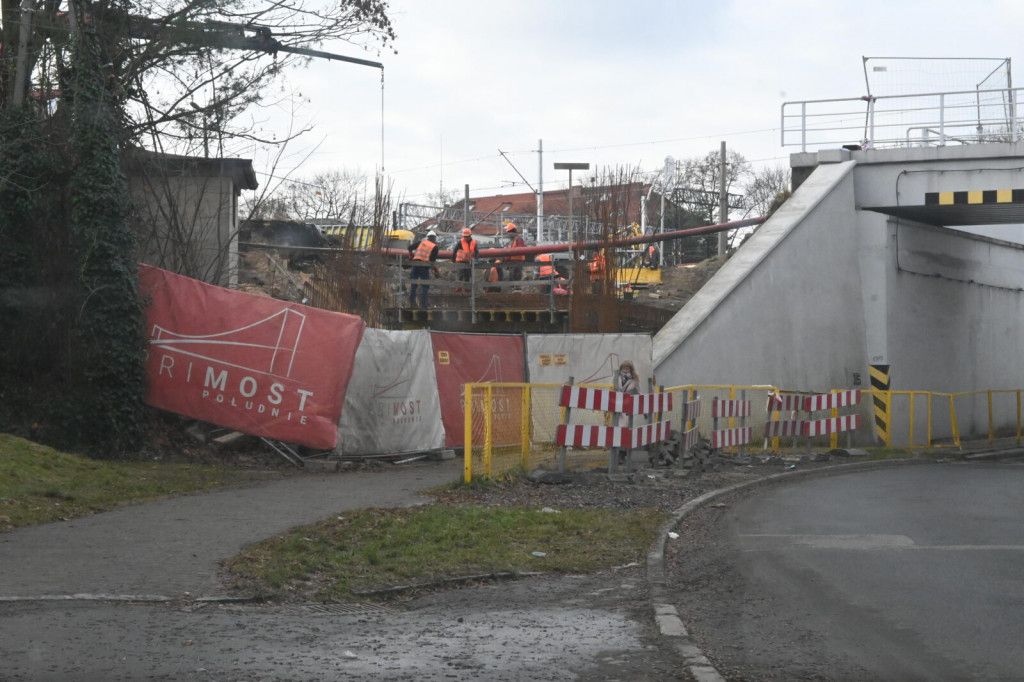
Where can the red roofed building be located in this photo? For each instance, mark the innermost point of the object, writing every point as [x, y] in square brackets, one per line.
[593, 208]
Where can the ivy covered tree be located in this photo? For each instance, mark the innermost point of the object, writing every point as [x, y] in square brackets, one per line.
[79, 84]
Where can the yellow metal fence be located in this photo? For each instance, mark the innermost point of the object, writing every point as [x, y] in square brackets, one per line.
[512, 426]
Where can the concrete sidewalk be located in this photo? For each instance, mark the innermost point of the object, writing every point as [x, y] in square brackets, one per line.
[173, 547]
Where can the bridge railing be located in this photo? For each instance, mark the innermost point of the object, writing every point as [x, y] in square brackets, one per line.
[927, 119]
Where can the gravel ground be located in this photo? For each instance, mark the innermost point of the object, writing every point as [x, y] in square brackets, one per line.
[663, 489]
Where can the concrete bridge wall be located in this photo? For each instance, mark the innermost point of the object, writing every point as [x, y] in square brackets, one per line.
[827, 288]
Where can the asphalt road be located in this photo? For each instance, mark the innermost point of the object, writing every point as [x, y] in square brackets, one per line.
[908, 573]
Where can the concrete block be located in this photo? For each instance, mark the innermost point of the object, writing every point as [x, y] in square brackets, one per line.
[671, 626]
[833, 155]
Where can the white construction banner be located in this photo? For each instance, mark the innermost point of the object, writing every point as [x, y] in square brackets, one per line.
[587, 358]
[392, 405]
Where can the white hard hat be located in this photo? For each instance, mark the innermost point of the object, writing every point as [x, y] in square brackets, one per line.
[431, 233]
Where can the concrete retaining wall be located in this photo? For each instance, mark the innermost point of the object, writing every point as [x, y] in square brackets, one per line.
[825, 289]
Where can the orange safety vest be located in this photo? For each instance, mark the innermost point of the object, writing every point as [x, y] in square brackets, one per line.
[516, 243]
[596, 266]
[467, 250]
[546, 268]
[424, 250]
[494, 274]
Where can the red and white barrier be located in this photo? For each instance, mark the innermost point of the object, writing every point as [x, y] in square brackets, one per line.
[650, 433]
[786, 402]
[811, 403]
[729, 437]
[689, 438]
[592, 399]
[649, 403]
[729, 408]
[821, 427]
[605, 399]
[691, 411]
[581, 435]
[830, 401]
[783, 427]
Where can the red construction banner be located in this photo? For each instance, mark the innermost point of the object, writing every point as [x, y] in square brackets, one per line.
[461, 359]
[251, 363]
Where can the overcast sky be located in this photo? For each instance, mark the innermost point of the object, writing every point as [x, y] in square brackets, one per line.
[610, 82]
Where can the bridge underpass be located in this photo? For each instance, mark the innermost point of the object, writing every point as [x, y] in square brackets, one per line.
[869, 271]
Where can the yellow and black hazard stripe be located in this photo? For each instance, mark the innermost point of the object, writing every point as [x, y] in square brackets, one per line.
[880, 393]
[972, 197]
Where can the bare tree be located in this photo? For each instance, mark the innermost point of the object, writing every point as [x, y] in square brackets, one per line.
[699, 185]
[444, 197]
[184, 69]
[339, 194]
[764, 188]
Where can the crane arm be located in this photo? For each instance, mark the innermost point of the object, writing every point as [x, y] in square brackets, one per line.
[226, 35]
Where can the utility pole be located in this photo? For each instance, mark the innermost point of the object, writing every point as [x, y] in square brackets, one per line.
[540, 191]
[723, 206]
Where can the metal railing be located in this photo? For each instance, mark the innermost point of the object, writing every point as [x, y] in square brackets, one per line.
[510, 426]
[929, 119]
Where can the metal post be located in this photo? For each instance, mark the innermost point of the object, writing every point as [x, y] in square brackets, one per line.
[723, 206]
[942, 120]
[743, 424]
[565, 420]
[572, 223]
[1013, 101]
[472, 288]
[572, 226]
[540, 191]
[803, 126]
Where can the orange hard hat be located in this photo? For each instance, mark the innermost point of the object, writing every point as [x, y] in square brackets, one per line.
[466, 232]
[511, 227]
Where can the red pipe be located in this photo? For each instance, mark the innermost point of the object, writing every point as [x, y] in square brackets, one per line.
[593, 246]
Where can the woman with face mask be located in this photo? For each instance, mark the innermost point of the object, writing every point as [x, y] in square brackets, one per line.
[626, 381]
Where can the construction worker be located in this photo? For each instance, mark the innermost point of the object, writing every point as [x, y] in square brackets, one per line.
[494, 275]
[515, 241]
[464, 253]
[596, 266]
[545, 270]
[651, 257]
[423, 252]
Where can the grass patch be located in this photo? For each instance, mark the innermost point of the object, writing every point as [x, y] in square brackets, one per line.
[39, 484]
[377, 548]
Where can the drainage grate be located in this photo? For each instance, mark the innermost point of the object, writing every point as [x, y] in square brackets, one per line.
[347, 608]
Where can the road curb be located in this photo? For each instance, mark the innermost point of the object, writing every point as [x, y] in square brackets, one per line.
[670, 625]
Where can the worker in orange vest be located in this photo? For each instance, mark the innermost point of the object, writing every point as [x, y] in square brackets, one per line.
[545, 270]
[494, 275]
[515, 241]
[464, 253]
[422, 252]
[596, 268]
